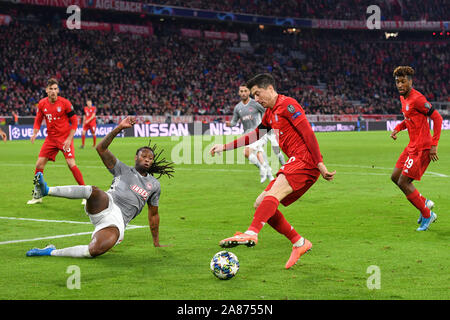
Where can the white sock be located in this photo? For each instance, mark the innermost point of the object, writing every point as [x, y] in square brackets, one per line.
[300, 242]
[76, 252]
[253, 159]
[251, 233]
[71, 192]
[281, 158]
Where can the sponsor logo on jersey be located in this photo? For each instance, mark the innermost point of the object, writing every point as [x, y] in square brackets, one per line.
[295, 115]
[139, 191]
[407, 107]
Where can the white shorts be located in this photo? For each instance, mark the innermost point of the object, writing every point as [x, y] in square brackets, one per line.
[258, 145]
[111, 216]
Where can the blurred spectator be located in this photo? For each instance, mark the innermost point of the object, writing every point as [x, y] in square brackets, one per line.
[408, 10]
[185, 76]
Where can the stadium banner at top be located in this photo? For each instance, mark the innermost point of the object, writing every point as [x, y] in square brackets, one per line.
[125, 6]
[138, 7]
[116, 27]
[385, 25]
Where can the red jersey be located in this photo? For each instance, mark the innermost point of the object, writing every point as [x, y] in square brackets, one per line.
[89, 111]
[57, 117]
[416, 109]
[294, 133]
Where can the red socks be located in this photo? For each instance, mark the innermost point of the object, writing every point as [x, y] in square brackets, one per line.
[279, 223]
[419, 202]
[83, 139]
[265, 210]
[268, 212]
[77, 175]
[38, 170]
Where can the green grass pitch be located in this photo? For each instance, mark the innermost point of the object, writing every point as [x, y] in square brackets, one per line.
[357, 221]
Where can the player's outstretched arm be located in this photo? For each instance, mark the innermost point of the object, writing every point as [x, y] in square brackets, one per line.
[109, 160]
[244, 140]
[217, 148]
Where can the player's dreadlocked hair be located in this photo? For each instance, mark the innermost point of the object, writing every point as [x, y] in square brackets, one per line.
[403, 71]
[159, 166]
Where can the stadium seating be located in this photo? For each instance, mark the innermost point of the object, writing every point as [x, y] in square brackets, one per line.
[172, 74]
[409, 10]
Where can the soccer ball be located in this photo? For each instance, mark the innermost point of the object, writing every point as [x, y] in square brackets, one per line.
[224, 265]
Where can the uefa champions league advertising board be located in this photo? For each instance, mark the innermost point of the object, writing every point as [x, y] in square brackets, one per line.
[24, 132]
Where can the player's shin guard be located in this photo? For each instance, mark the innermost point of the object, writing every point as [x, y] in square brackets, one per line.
[265, 211]
[77, 175]
[418, 201]
[280, 224]
[71, 192]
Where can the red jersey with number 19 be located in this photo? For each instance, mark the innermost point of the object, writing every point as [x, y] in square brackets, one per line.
[415, 109]
[57, 117]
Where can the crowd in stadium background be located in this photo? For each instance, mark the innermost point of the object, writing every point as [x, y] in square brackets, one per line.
[322, 9]
[172, 74]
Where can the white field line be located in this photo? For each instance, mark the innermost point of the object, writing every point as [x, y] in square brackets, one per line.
[330, 166]
[129, 227]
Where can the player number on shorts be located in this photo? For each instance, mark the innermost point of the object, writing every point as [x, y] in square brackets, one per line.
[291, 159]
[409, 162]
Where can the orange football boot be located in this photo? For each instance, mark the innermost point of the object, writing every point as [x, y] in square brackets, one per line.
[297, 252]
[239, 238]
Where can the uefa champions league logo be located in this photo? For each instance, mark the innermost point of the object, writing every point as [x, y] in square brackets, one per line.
[15, 133]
